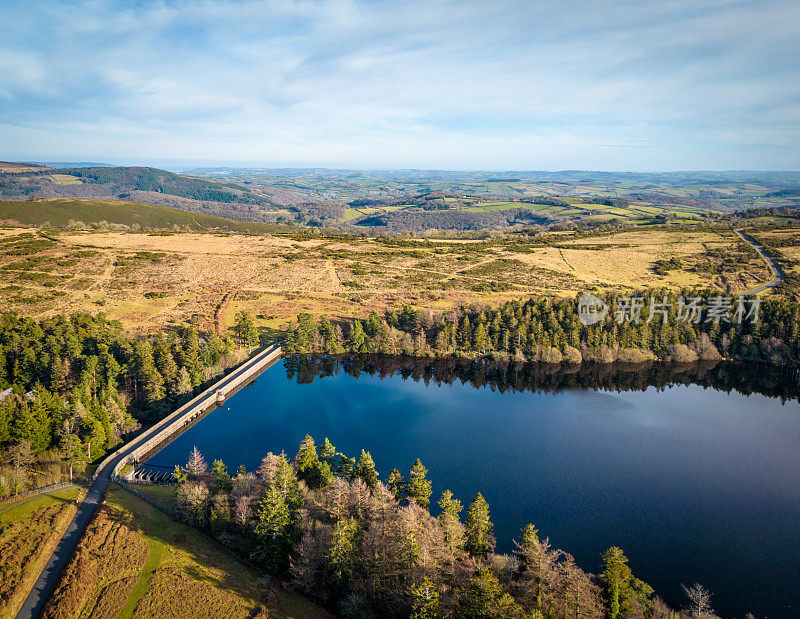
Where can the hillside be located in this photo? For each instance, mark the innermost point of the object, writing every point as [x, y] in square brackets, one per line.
[415, 201]
[139, 184]
[79, 213]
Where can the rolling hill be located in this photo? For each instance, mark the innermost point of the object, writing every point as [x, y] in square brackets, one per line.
[74, 212]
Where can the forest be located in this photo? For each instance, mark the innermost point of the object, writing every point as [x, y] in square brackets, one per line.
[545, 330]
[364, 547]
[72, 387]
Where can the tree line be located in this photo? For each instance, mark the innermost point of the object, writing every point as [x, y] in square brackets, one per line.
[79, 383]
[745, 378]
[334, 530]
[550, 330]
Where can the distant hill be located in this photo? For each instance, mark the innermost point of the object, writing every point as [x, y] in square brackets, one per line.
[75, 164]
[136, 184]
[65, 212]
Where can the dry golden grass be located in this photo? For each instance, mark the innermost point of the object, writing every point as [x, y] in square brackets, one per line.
[108, 560]
[29, 532]
[187, 275]
[135, 561]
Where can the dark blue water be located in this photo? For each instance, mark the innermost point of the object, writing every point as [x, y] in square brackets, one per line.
[695, 483]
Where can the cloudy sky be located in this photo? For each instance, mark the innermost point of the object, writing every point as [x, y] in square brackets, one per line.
[470, 84]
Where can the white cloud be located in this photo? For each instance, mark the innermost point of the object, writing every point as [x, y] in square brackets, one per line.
[414, 84]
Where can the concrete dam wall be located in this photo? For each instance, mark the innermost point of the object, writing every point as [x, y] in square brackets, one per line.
[162, 433]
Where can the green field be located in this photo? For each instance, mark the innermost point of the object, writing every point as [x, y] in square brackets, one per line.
[64, 212]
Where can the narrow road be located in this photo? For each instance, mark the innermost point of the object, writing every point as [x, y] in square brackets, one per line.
[34, 603]
[37, 598]
[774, 266]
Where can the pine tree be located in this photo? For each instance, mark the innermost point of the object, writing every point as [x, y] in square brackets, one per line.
[479, 339]
[306, 456]
[483, 597]
[419, 487]
[220, 479]
[196, 466]
[480, 539]
[183, 384]
[395, 484]
[356, 339]
[246, 330]
[343, 548]
[616, 577]
[327, 453]
[449, 523]
[310, 468]
[425, 601]
[273, 521]
[536, 564]
[365, 469]
[71, 450]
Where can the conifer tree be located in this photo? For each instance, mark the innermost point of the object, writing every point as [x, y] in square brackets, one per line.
[418, 486]
[196, 466]
[395, 484]
[536, 564]
[365, 469]
[356, 338]
[246, 330]
[220, 479]
[343, 548]
[71, 450]
[616, 577]
[449, 523]
[273, 521]
[425, 601]
[480, 539]
[327, 453]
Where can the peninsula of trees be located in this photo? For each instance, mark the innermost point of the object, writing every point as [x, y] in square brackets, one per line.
[327, 524]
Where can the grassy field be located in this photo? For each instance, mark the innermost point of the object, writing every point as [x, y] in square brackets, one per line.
[577, 210]
[151, 280]
[134, 561]
[62, 212]
[29, 531]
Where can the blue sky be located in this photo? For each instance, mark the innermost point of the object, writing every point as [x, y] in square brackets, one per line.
[614, 85]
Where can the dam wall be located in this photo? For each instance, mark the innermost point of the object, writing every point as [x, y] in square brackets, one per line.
[162, 433]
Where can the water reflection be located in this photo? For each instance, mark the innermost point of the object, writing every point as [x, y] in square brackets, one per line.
[743, 378]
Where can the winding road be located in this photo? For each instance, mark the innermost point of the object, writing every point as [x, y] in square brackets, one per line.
[762, 251]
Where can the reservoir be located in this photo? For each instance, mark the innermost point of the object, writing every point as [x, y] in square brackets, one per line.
[693, 471]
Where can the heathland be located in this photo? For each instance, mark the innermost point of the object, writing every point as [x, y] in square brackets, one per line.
[152, 280]
[120, 309]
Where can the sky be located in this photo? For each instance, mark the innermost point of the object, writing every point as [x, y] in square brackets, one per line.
[473, 84]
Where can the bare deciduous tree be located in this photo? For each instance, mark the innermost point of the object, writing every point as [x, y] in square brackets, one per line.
[699, 601]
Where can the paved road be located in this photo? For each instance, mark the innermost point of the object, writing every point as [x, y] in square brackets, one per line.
[774, 267]
[36, 599]
[35, 602]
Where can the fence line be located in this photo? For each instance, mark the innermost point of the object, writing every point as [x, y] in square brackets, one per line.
[170, 512]
[27, 493]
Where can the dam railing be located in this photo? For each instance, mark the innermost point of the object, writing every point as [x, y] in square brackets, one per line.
[161, 433]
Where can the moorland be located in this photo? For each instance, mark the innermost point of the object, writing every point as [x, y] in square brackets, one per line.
[128, 289]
